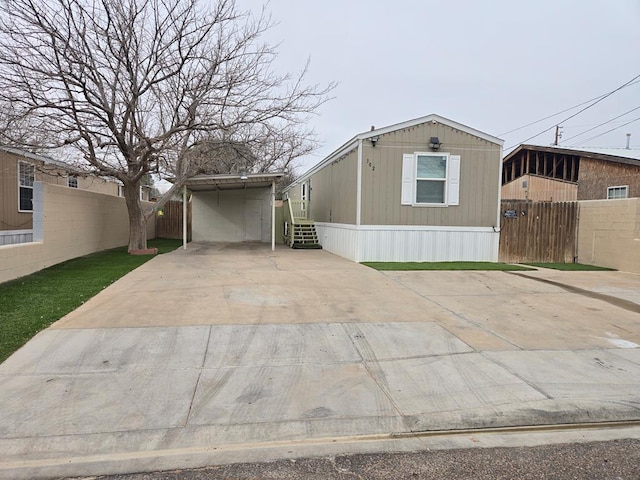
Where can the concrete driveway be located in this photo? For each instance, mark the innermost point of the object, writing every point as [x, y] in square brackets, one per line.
[226, 353]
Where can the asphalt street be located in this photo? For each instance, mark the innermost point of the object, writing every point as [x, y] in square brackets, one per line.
[614, 460]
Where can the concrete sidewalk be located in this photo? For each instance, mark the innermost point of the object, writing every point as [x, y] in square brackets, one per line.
[230, 353]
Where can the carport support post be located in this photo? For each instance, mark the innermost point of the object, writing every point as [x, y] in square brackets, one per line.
[184, 217]
[273, 216]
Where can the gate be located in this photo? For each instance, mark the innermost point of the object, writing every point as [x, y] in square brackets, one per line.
[538, 231]
[169, 224]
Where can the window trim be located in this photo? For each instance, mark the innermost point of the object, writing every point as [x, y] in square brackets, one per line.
[20, 186]
[620, 187]
[69, 178]
[445, 180]
[408, 187]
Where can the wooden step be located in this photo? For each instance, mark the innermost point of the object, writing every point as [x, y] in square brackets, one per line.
[304, 235]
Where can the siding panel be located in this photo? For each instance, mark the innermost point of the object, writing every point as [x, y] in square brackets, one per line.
[10, 218]
[540, 189]
[382, 179]
[334, 193]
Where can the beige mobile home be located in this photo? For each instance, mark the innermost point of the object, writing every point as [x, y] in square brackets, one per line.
[19, 171]
[423, 190]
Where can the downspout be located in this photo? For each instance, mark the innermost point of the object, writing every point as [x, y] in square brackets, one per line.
[273, 216]
[358, 201]
[184, 217]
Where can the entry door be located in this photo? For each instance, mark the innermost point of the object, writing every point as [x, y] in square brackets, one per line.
[253, 220]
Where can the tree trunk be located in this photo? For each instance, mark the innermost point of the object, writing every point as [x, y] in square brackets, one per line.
[137, 221]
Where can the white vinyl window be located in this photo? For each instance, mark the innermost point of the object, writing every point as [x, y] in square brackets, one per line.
[120, 190]
[26, 177]
[72, 181]
[430, 179]
[621, 191]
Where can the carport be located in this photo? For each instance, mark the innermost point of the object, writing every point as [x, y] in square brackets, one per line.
[232, 208]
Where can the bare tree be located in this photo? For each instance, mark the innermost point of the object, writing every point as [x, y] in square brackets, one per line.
[152, 86]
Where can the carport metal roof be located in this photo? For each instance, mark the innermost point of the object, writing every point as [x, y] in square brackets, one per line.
[201, 183]
[232, 182]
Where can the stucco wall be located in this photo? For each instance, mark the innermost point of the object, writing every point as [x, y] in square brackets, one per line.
[609, 233]
[68, 223]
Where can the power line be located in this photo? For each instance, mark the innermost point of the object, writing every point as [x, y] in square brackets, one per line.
[588, 125]
[608, 131]
[562, 111]
[602, 124]
[626, 84]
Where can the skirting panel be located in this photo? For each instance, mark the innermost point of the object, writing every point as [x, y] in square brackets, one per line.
[339, 239]
[10, 237]
[410, 244]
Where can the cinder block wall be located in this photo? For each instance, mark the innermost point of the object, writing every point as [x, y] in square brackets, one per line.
[609, 233]
[68, 223]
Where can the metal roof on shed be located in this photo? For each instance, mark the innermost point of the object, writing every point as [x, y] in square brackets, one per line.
[232, 182]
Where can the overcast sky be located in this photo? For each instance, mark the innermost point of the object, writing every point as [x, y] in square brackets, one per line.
[493, 65]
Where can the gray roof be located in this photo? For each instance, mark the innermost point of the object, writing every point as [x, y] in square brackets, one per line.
[353, 143]
[613, 151]
[36, 157]
[622, 155]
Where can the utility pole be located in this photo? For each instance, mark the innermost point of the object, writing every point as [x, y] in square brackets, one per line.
[558, 134]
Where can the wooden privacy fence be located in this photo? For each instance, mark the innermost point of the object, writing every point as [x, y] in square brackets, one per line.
[538, 231]
[169, 224]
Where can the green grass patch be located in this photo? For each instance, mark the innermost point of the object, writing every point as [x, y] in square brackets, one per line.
[571, 267]
[401, 266]
[32, 303]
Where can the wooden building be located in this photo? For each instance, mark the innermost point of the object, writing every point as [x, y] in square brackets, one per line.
[422, 190]
[559, 174]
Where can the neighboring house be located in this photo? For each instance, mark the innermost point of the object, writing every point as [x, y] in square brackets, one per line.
[423, 190]
[556, 173]
[233, 208]
[18, 172]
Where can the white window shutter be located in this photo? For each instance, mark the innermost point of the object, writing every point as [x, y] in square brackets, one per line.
[453, 180]
[408, 179]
